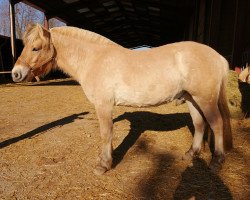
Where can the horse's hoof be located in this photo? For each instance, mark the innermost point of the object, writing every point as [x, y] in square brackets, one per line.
[100, 170]
[189, 155]
[216, 163]
[215, 167]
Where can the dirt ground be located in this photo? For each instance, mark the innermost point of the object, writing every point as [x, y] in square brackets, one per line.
[49, 143]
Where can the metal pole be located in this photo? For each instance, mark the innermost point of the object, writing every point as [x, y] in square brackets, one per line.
[12, 31]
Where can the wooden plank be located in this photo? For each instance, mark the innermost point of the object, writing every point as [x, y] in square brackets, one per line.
[5, 72]
[214, 26]
[12, 31]
[240, 36]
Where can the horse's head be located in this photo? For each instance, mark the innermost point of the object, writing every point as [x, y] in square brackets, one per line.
[37, 57]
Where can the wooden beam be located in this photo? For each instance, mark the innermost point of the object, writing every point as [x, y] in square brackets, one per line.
[5, 72]
[240, 30]
[12, 31]
[201, 22]
[214, 26]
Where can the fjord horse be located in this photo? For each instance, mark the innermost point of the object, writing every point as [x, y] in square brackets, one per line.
[113, 75]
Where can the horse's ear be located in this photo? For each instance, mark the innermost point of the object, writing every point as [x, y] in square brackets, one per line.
[44, 33]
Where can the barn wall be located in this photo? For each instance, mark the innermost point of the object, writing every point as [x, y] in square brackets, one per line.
[6, 56]
[242, 36]
[225, 26]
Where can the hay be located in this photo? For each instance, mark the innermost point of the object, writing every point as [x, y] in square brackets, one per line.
[234, 95]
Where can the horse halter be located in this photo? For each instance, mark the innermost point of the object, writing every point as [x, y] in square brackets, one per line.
[34, 68]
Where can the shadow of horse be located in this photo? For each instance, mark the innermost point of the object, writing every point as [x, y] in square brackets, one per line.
[142, 121]
[43, 128]
[55, 83]
[197, 182]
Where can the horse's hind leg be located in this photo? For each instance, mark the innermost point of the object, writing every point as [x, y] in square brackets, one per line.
[214, 119]
[199, 127]
[104, 114]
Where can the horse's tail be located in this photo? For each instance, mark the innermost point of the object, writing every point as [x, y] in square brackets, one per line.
[225, 113]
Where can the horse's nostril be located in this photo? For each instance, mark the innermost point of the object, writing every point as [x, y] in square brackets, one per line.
[17, 75]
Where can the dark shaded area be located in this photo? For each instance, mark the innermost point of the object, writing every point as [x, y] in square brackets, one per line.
[5, 50]
[43, 129]
[245, 99]
[6, 57]
[154, 184]
[197, 182]
[56, 83]
[142, 121]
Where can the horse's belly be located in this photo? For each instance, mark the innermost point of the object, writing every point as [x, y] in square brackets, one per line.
[144, 98]
[139, 103]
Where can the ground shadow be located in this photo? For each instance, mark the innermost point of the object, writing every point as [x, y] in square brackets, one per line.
[198, 182]
[64, 82]
[142, 121]
[154, 184]
[161, 182]
[55, 83]
[43, 128]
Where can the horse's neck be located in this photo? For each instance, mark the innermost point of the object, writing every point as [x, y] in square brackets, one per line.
[73, 55]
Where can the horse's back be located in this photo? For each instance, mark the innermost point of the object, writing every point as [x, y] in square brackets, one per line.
[187, 60]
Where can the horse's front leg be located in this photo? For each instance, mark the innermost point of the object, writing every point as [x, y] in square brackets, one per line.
[104, 114]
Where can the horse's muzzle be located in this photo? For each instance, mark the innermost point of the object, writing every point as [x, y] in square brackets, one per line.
[19, 73]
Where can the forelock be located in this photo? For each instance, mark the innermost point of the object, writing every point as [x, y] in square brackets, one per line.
[31, 34]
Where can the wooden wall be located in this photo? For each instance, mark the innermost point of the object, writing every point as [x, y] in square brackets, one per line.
[225, 26]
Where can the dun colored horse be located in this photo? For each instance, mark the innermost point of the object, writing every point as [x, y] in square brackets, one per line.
[113, 75]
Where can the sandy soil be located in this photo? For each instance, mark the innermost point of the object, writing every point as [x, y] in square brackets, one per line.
[49, 143]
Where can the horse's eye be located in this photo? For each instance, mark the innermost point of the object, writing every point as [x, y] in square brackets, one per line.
[35, 49]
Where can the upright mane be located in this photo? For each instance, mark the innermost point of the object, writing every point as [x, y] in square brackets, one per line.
[83, 34]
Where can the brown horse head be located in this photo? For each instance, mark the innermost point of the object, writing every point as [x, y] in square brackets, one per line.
[37, 57]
